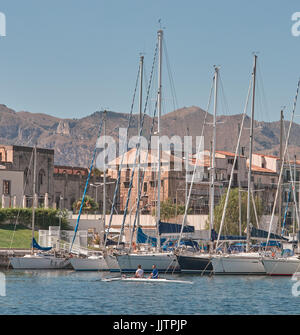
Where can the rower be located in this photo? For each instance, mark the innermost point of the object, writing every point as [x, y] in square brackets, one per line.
[139, 272]
[154, 274]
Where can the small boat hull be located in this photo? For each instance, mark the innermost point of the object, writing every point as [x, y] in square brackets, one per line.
[238, 264]
[147, 280]
[165, 262]
[39, 262]
[112, 263]
[195, 263]
[281, 266]
[89, 264]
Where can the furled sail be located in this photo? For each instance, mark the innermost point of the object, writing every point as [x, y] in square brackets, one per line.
[35, 245]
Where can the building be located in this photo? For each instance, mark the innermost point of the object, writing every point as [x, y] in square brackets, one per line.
[56, 186]
[20, 158]
[69, 184]
[175, 178]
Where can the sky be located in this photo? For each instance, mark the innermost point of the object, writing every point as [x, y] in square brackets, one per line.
[71, 58]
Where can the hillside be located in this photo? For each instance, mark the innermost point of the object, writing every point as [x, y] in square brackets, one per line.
[74, 139]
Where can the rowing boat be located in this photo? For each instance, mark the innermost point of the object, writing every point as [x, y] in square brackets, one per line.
[158, 280]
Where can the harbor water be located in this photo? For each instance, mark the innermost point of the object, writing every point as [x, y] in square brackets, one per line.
[84, 293]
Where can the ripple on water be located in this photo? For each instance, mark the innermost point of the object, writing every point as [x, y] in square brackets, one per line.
[70, 292]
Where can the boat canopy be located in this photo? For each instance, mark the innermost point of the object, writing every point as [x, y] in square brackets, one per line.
[174, 228]
[214, 236]
[141, 237]
[35, 245]
[262, 234]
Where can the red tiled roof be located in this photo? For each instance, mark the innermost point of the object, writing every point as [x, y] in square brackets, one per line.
[260, 169]
[270, 156]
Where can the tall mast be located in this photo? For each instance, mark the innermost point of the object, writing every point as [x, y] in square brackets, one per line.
[33, 195]
[159, 97]
[104, 185]
[239, 183]
[250, 154]
[280, 181]
[139, 128]
[213, 154]
[295, 200]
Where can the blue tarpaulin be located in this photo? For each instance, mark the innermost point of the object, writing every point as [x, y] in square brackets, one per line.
[141, 237]
[35, 245]
[173, 228]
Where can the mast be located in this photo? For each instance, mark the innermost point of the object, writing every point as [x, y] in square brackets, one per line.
[239, 184]
[295, 200]
[280, 181]
[139, 128]
[250, 154]
[213, 155]
[102, 233]
[33, 195]
[159, 97]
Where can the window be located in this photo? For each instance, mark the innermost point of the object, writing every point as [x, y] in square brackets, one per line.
[6, 187]
[145, 187]
[1, 157]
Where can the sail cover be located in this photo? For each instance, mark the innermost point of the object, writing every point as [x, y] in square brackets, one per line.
[37, 246]
[214, 236]
[262, 234]
[173, 228]
[141, 237]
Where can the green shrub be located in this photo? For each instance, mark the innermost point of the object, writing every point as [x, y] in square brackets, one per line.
[43, 217]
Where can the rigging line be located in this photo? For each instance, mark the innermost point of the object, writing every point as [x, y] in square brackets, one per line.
[293, 178]
[120, 167]
[226, 105]
[282, 164]
[260, 77]
[122, 160]
[23, 193]
[171, 80]
[195, 166]
[234, 162]
[142, 180]
[86, 185]
[137, 153]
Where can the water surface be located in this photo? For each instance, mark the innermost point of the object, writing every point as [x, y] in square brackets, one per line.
[70, 292]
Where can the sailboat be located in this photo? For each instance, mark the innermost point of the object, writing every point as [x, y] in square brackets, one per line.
[164, 261]
[243, 262]
[94, 262]
[42, 259]
[201, 262]
[280, 265]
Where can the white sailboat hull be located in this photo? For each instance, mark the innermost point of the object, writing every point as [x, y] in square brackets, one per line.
[243, 263]
[281, 266]
[112, 263]
[163, 261]
[89, 264]
[35, 262]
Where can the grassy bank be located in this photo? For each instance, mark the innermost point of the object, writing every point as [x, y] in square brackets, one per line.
[20, 237]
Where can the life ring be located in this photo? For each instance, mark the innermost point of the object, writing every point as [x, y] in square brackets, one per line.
[273, 254]
[133, 245]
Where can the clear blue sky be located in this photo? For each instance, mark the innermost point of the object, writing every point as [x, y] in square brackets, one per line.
[68, 58]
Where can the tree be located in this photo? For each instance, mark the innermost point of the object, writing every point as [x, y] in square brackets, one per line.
[231, 223]
[89, 205]
[168, 210]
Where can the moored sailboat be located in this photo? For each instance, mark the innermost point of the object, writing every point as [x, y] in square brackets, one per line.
[42, 259]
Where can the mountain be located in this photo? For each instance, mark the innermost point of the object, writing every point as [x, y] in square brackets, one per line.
[74, 139]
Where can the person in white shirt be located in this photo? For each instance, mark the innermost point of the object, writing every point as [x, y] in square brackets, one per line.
[139, 272]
